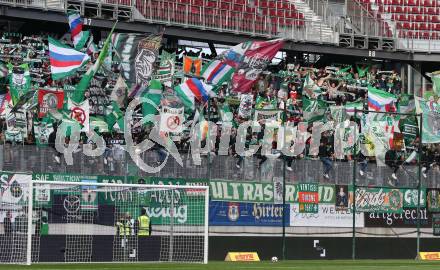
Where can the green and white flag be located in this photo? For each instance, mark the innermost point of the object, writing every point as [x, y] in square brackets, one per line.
[406, 104]
[313, 109]
[226, 113]
[310, 88]
[42, 130]
[351, 106]
[19, 81]
[338, 113]
[119, 92]
[431, 119]
[166, 69]
[82, 86]
[435, 77]
[98, 123]
[153, 95]
[113, 114]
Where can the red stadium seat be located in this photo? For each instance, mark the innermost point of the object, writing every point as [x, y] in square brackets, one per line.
[211, 3]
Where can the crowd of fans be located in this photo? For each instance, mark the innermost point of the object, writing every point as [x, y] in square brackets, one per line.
[282, 87]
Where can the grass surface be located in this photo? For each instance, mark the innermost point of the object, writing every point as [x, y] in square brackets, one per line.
[296, 265]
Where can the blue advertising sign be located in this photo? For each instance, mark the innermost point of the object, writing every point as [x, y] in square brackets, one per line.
[246, 214]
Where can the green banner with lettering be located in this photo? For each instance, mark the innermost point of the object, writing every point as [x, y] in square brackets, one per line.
[221, 190]
[378, 200]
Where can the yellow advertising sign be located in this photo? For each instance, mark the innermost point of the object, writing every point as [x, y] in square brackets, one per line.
[429, 256]
[242, 257]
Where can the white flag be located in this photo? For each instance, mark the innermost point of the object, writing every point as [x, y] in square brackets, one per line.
[80, 112]
[171, 119]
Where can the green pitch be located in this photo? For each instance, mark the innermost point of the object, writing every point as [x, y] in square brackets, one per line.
[295, 265]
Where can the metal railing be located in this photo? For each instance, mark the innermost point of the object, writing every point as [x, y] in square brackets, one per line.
[31, 158]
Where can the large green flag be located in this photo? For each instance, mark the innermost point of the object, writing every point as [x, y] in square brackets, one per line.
[154, 95]
[19, 81]
[114, 113]
[431, 120]
[82, 86]
[313, 109]
[435, 77]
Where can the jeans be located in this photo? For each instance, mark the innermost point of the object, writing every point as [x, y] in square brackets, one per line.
[363, 165]
[162, 153]
[328, 165]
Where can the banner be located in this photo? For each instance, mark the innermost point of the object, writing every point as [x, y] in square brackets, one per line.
[308, 198]
[327, 216]
[378, 200]
[430, 120]
[49, 100]
[433, 199]
[165, 72]
[410, 197]
[137, 54]
[14, 190]
[246, 214]
[16, 123]
[256, 58]
[406, 219]
[171, 119]
[262, 192]
[436, 224]
[98, 98]
[192, 66]
[42, 130]
[245, 108]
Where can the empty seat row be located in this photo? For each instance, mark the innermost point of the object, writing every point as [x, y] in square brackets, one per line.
[415, 18]
[222, 14]
[413, 10]
[424, 3]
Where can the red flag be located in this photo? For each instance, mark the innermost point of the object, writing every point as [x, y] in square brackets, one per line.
[49, 100]
[256, 59]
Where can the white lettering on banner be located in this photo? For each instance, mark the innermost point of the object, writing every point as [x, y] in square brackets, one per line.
[408, 216]
[180, 213]
[411, 195]
[369, 199]
[267, 211]
[327, 216]
[124, 196]
[259, 192]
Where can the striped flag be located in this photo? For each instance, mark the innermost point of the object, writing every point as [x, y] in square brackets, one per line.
[217, 72]
[193, 88]
[79, 37]
[351, 106]
[91, 46]
[81, 87]
[380, 101]
[64, 61]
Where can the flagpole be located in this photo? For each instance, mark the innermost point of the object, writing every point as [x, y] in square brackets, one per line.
[125, 126]
[284, 187]
[353, 245]
[419, 184]
[208, 142]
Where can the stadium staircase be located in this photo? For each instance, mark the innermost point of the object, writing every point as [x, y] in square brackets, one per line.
[318, 28]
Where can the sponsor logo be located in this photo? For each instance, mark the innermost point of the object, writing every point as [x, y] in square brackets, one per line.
[71, 204]
[233, 211]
